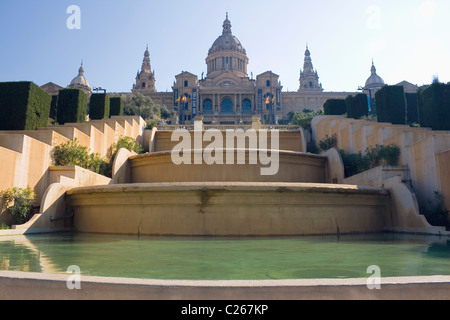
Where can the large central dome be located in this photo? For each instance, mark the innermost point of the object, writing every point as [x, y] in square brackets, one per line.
[227, 54]
[227, 42]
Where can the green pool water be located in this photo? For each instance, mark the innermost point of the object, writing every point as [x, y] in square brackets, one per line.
[227, 258]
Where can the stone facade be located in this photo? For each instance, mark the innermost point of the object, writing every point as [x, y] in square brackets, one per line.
[52, 88]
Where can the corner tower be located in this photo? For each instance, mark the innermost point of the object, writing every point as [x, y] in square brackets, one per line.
[309, 79]
[145, 79]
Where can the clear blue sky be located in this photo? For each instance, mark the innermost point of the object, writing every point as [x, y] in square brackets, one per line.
[408, 39]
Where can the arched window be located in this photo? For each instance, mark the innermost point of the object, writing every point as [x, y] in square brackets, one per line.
[227, 105]
[268, 83]
[143, 84]
[207, 106]
[186, 83]
[246, 106]
[310, 84]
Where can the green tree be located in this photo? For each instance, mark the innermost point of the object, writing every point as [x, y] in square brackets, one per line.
[18, 202]
[304, 119]
[166, 114]
[138, 104]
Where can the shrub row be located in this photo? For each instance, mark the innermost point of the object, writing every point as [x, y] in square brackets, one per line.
[99, 106]
[374, 156]
[71, 106]
[71, 153]
[412, 111]
[354, 106]
[357, 106]
[23, 106]
[335, 107]
[433, 103]
[116, 106]
[391, 105]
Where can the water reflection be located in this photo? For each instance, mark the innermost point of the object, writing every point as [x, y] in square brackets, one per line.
[18, 253]
[228, 258]
[440, 250]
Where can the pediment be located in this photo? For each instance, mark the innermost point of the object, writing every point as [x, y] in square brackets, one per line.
[51, 86]
[268, 74]
[227, 80]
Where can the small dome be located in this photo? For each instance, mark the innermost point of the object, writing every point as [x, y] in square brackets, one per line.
[374, 80]
[80, 80]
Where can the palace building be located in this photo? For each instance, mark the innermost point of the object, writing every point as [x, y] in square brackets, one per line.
[227, 95]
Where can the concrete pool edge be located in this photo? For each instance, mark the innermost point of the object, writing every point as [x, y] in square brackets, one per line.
[39, 286]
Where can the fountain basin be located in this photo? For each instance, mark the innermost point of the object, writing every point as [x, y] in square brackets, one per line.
[229, 209]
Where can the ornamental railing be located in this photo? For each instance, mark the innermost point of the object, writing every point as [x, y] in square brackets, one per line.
[232, 127]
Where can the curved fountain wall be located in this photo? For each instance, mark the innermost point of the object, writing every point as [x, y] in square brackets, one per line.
[292, 167]
[229, 209]
[163, 198]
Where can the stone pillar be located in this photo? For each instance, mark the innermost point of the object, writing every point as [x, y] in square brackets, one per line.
[256, 123]
[198, 123]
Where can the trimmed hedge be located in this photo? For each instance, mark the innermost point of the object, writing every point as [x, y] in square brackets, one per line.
[434, 106]
[99, 106]
[335, 107]
[391, 104]
[412, 111]
[115, 106]
[23, 106]
[420, 103]
[72, 106]
[53, 107]
[357, 106]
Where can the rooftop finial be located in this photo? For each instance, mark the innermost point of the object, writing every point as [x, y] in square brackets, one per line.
[226, 26]
[373, 69]
[81, 70]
